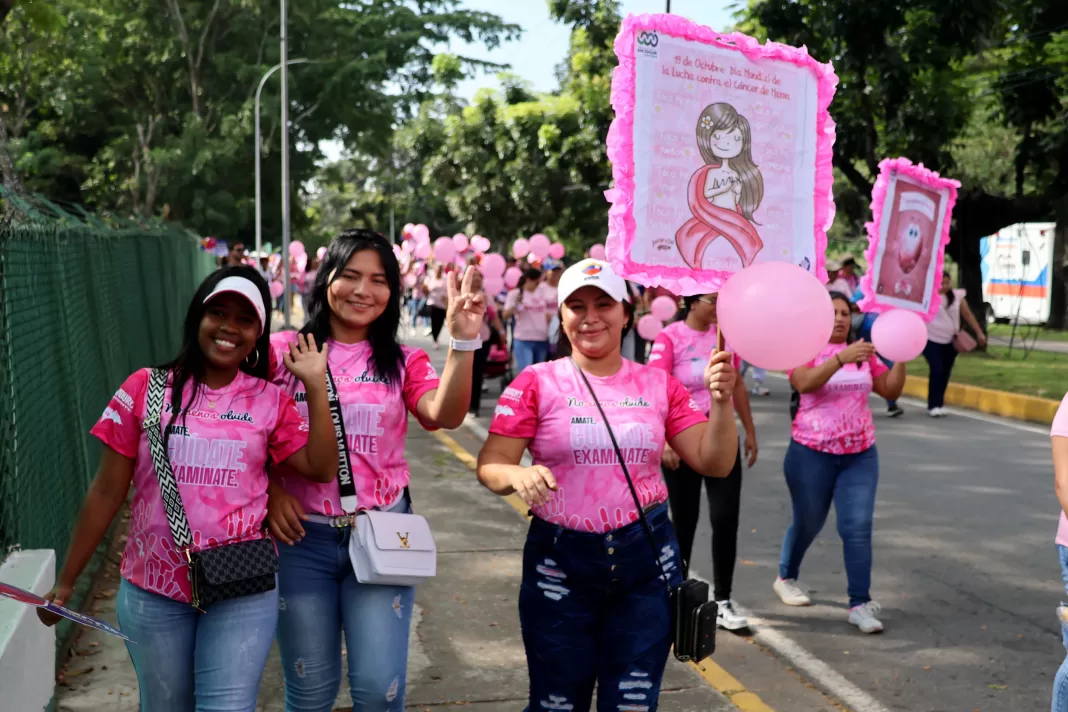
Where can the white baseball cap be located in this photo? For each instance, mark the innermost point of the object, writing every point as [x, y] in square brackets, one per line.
[592, 273]
[248, 290]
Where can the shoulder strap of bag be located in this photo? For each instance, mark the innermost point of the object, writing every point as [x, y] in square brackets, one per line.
[346, 484]
[626, 473]
[168, 486]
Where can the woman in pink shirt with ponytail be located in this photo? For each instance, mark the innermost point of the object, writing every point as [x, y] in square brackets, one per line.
[593, 604]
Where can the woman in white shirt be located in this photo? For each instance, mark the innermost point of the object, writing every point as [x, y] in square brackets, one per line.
[940, 351]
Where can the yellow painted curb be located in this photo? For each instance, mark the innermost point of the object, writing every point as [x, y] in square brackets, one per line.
[720, 680]
[988, 400]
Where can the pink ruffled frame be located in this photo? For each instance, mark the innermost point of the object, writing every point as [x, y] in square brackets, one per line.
[621, 225]
[925, 177]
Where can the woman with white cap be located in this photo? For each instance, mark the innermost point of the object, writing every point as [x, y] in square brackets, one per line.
[593, 603]
[203, 427]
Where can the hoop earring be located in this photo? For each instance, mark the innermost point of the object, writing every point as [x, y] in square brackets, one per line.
[254, 363]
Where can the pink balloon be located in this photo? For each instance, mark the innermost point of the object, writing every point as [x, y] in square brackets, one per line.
[410, 279]
[444, 250]
[460, 242]
[597, 251]
[775, 315]
[296, 248]
[492, 285]
[493, 265]
[511, 277]
[422, 250]
[649, 327]
[277, 289]
[540, 246]
[302, 260]
[320, 253]
[899, 335]
[557, 251]
[532, 258]
[397, 251]
[520, 248]
[480, 244]
[664, 308]
[421, 233]
[407, 229]
[407, 246]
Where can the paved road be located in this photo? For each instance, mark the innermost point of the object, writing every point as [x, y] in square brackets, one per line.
[965, 567]
[1057, 347]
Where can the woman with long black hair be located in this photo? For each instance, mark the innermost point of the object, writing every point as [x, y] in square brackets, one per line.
[223, 423]
[355, 308]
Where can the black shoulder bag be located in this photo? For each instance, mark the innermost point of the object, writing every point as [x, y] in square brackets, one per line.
[227, 571]
[693, 616]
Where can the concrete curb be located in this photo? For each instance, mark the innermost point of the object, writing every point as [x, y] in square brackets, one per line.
[987, 400]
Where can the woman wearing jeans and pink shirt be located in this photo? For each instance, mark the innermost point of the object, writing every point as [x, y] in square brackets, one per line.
[530, 306]
[592, 603]
[832, 458]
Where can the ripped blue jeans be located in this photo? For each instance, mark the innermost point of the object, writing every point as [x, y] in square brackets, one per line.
[594, 611]
[1060, 681]
[319, 598]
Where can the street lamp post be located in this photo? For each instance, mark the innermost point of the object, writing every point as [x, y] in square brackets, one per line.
[285, 171]
[259, 152]
[668, 7]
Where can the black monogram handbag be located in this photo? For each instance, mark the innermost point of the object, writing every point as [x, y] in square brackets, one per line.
[226, 571]
[693, 616]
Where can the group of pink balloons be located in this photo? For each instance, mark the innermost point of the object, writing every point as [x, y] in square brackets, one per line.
[537, 248]
[445, 250]
[661, 311]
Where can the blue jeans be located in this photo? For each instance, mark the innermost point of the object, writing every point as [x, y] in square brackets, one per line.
[319, 598]
[186, 660]
[528, 353]
[1060, 681]
[594, 610]
[815, 479]
[940, 360]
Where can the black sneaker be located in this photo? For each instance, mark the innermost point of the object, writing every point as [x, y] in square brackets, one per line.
[894, 411]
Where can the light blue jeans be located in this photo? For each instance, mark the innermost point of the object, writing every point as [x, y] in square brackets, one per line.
[320, 598]
[186, 660]
[528, 353]
[1060, 680]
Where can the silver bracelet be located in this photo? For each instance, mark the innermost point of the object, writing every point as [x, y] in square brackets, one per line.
[469, 345]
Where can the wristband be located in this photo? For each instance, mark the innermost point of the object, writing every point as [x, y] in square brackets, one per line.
[469, 345]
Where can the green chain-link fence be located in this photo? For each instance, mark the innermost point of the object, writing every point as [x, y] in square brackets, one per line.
[83, 303]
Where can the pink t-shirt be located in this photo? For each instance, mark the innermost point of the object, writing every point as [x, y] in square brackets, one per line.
[376, 422]
[531, 315]
[550, 405]
[684, 352]
[946, 323]
[836, 419]
[1060, 429]
[437, 292]
[219, 454]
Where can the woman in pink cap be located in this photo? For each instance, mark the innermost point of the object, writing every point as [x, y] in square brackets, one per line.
[593, 602]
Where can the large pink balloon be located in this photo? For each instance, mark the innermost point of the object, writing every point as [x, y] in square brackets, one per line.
[421, 233]
[597, 251]
[520, 248]
[277, 289]
[296, 248]
[444, 250]
[480, 244]
[664, 308]
[899, 335]
[540, 245]
[460, 242]
[557, 251]
[493, 285]
[649, 327]
[320, 253]
[775, 315]
[511, 277]
[493, 265]
[423, 250]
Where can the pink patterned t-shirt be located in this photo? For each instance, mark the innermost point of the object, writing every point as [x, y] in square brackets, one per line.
[219, 454]
[684, 353]
[550, 405]
[836, 419]
[376, 422]
[1060, 429]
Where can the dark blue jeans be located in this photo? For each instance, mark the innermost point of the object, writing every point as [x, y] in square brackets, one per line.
[594, 610]
[940, 359]
[815, 480]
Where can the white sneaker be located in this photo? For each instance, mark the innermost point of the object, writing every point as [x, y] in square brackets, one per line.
[937, 412]
[863, 617]
[791, 593]
[728, 618]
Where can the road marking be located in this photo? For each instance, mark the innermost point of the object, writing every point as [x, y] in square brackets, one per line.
[720, 680]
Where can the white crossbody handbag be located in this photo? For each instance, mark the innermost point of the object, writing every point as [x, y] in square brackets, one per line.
[385, 548]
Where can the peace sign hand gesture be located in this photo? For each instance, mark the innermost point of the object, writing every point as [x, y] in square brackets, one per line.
[466, 309]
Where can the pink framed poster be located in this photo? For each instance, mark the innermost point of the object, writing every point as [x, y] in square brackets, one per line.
[721, 153]
[911, 212]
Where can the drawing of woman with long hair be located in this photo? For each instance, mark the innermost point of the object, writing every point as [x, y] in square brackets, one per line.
[726, 191]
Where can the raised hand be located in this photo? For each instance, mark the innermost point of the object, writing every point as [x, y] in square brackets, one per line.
[306, 361]
[467, 308]
[720, 376]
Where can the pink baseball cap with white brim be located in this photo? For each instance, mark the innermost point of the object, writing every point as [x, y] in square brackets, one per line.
[245, 288]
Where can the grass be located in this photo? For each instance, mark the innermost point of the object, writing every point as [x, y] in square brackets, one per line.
[1040, 374]
[1004, 331]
